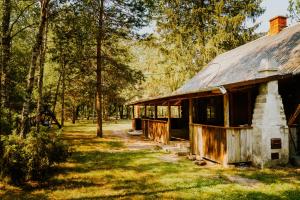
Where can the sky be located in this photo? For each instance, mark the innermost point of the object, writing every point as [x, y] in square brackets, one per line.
[273, 8]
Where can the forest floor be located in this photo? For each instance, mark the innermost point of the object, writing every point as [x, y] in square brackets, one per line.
[123, 167]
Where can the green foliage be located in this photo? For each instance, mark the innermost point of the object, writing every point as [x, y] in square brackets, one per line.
[294, 9]
[30, 158]
[13, 162]
[191, 33]
[5, 123]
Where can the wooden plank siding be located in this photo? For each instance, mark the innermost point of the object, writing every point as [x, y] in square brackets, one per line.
[239, 145]
[156, 130]
[214, 143]
[221, 144]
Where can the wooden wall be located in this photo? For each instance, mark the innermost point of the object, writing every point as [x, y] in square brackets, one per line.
[220, 144]
[239, 144]
[157, 130]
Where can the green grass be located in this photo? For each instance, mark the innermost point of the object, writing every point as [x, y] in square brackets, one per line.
[103, 168]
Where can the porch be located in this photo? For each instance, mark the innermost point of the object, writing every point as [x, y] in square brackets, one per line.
[217, 125]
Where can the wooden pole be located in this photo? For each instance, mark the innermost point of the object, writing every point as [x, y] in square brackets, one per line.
[133, 116]
[226, 110]
[133, 119]
[155, 112]
[168, 137]
[145, 112]
[138, 112]
[191, 126]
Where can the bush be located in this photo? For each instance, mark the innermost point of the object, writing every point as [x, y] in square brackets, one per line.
[31, 158]
[6, 124]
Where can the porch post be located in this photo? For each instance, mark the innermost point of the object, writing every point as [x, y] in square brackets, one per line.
[133, 112]
[169, 124]
[226, 122]
[145, 111]
[226, 110]
[192, 151]
[155, 112]
[138, 112]
[133, 119]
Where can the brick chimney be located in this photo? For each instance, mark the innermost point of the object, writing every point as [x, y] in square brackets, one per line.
[277, 24]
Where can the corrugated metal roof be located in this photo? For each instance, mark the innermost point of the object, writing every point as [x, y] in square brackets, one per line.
[246, 63]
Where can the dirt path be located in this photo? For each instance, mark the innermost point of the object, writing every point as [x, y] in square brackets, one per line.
[133, 142]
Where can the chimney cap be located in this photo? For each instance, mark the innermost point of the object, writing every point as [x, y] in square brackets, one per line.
[278, 16]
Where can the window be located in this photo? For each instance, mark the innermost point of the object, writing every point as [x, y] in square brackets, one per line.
[208, 110]
[175, 111]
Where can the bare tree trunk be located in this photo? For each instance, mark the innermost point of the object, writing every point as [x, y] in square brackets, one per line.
[99, 71]
[35, 53]
[121, 111]
[56, 92]
[40, 80]
[5, 53]
[94, 109]
[63, 95]
[74, 112]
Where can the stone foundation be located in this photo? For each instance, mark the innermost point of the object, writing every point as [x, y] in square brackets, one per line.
[269, 124]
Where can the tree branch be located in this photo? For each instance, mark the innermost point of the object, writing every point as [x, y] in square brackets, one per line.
[20, 15]
[22, 29]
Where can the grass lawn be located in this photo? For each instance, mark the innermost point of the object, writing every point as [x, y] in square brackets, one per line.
[106, 169]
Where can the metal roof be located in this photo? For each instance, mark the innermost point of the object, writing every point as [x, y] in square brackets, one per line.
[265, 57]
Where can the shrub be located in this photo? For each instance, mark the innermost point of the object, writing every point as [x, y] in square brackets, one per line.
[13, 161]
[5, 122]
[31, 158]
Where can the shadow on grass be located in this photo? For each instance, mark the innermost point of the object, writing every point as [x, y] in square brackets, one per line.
[16, 195]
[158, 194]
[270, 176]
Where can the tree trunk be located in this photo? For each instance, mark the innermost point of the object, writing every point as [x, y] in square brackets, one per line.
[40, 80]
[56, 92]
[31, 75]
[5, 54]
[99, 71]
[63, 94]
[74, 113]
[121, 110]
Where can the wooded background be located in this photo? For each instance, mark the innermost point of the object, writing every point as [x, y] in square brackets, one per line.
[87, 58]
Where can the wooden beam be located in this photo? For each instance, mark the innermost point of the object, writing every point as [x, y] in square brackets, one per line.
[190, 111]
[168, 137]
[191, 137]
[226, 110]
[145, 111]
[155, 112]
[133, 116]
[138, 111]
[294, 116]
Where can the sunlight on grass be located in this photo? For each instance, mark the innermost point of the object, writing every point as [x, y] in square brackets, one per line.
[104, 168]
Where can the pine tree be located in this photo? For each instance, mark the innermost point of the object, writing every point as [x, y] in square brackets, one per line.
[192, 32]
[294, 9]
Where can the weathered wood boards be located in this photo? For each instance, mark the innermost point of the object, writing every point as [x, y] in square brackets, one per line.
[294, 116]
[156, 130]
[239, 145]
[222, 145]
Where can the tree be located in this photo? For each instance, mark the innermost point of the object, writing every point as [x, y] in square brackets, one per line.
[294, 9]
[192, 33]
[112, 21]
[17, 17]
[5, 47]
[31, 75]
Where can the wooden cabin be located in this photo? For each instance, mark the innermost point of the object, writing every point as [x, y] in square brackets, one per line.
[242, 107]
